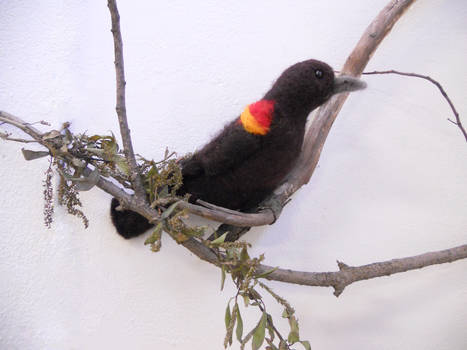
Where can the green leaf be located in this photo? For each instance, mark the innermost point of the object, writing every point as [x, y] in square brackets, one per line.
[239, 330]
[260, 332]
[228, 315]
[244, 255]
[152, 172]
[222, 277]
[293, 335]
[31, 155]
[270, 326]
[169, 210]
[220, 239]
[230, 326]
[122, 164]
[164, 192]
[155, 236]
[306, 344]
[266, 273]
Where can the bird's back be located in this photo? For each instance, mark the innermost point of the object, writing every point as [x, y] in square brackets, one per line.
[248, 177]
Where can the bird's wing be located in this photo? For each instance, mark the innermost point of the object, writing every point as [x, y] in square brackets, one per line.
[227, 150]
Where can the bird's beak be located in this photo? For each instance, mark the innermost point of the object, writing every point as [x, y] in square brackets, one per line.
[345, 83]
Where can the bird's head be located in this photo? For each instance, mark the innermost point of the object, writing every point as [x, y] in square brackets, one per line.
[307, 85]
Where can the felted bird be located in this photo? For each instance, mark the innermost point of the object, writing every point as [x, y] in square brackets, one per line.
[251, 156]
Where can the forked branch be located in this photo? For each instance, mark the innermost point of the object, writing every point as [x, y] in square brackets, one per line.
[314, 142]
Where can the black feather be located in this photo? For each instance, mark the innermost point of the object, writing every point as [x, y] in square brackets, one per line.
[238, 169]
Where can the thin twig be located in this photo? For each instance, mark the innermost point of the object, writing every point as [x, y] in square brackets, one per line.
[121, 106]
[438, 85]
[20, 124]
[6, 136]
[314, 142]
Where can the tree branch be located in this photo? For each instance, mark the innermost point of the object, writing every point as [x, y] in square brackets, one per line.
[230, 217]
[438, 85]
[22, 125]
[140, 193]
[326, 115]
[324, 119]
[350, 274]
[300, 175]
[6, 136]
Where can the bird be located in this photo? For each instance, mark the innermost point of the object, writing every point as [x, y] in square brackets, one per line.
[245, 162]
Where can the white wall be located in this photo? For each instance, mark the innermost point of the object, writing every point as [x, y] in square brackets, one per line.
[391, 180]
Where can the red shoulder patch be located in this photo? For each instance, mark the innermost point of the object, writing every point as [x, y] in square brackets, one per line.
[257, 117]
[262, 111]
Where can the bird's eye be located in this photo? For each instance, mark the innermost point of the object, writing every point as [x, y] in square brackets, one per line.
[318, 73]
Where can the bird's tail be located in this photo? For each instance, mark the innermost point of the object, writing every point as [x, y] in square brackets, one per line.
[128, 223]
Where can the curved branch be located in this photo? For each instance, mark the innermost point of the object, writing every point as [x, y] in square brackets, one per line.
[458, 122]
[301, 174]
[211, 212]
[230, 217]
[326, 115]
[121, 106]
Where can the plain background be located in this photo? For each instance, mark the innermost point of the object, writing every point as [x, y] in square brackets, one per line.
[391, 181]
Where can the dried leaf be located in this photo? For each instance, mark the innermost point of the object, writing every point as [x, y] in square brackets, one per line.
[31, 155]
[271, 345]
[306, 344]
[88, 182]
[180, 237]
[51, 135]
[246, 300]
[78, 163]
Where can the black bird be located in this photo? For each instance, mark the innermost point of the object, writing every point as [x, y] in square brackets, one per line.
[250, 157]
